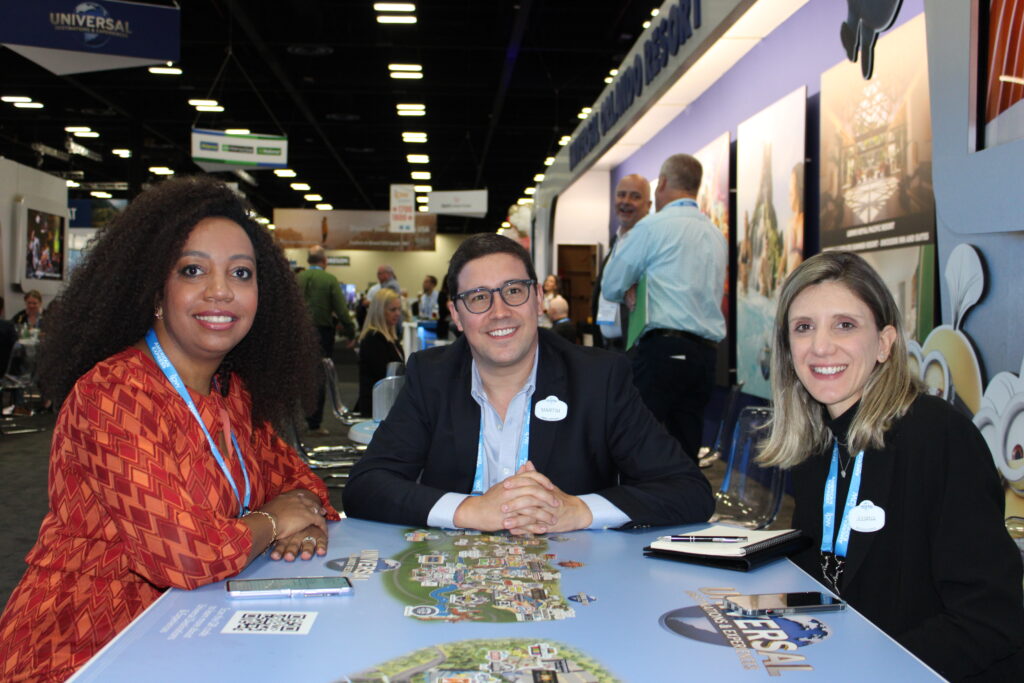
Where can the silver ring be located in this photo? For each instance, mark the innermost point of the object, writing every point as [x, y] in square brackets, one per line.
[310, 539]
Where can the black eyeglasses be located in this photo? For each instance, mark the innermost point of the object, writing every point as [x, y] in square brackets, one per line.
[513, 293]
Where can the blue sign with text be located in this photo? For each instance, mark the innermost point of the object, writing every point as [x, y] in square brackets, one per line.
[109, 27]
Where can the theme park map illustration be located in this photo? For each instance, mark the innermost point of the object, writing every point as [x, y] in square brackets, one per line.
[504, 660]
[470, 576]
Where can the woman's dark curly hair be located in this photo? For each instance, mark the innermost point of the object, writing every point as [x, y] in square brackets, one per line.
[109, 302]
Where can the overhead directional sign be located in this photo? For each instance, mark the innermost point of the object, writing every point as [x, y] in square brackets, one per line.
[403, 209]
[217, 150]
[471, 203]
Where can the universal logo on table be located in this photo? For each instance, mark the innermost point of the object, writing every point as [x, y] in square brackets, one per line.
[772, 643]
[92, 20]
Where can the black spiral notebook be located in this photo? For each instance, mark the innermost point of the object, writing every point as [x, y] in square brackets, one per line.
[758, 548]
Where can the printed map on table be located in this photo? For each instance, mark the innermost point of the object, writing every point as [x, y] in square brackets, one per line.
[504, 660]
[470, 576]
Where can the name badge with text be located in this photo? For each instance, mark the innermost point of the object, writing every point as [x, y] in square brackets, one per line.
[867, 517]
[551, 409]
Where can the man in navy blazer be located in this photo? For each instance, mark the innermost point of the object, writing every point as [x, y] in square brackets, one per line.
[514, 428]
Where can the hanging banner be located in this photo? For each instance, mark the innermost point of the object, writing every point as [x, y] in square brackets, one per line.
[403, 209]
[339, 229]
[216, 150]
[67, 38]
[471, 203]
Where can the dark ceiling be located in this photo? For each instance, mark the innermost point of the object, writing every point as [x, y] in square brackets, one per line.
[503, 81]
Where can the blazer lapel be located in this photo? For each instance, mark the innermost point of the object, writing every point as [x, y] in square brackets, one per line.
[551, 381]
[876, 480]
[465, 422]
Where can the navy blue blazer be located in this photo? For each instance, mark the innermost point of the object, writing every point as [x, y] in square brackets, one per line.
[608, 443]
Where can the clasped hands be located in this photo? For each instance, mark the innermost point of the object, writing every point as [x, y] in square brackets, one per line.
[301, 528]
[525, 503]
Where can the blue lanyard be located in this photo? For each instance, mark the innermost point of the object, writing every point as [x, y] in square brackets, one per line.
[521, 458]
[828, 508]
[175, 379]
[684, 202]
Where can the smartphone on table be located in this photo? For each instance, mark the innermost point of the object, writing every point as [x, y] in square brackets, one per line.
[769, 604]
[297, 587]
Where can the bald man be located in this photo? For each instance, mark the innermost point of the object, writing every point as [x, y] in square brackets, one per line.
[683, 257]
[632, 202]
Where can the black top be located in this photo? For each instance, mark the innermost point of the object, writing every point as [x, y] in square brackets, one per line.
[943, 577]
[8, 335]
[375, 352]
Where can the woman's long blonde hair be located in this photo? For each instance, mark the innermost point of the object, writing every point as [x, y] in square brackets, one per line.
[798, 428]
[376, 320]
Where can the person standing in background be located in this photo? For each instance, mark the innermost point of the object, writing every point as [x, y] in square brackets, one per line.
[562, 324]
[30, 317]
[327, 309]
[632, 203]
[428, 300]
[683, 257]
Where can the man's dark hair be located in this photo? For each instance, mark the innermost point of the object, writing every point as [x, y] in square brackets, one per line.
[433, 280]
[485, 244]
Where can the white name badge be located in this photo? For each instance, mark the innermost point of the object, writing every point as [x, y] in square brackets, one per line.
[551, 409]
[867, 517]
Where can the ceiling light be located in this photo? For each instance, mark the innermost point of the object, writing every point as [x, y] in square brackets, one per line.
[549, 161]
[396, 19]
[582, 115]
[407, 75]
[1011, 79]
[401, 112]
[160, 170]
[72, 183]
[506, 224]
[422, 200]
[414, 139]
[564, 140]
[410, 106]
[405, 67]
[539, 178]
[420, 175]
[529, 191]
[647, 24]
[284, 173]
[15, 98]
[165, 70]
[28, 105]
[324, 207]
[394, 7]
[608, 79]
[312, 197]
[203, 103]
[524, 200]
[655, 12]
[262, 220]
[123, 153]
[237, 131]
[205, 107]
[76, 129]
[301, 187]
[418, 158]
[586, 110]
[424, 209]
[613, 72]
[87, 134]
[101, 195]
[271, 226]
[422, 188]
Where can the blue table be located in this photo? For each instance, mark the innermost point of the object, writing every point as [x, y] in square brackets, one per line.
[636, 618]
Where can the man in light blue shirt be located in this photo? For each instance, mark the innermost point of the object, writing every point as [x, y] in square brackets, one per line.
[514, 428]
[682, 257]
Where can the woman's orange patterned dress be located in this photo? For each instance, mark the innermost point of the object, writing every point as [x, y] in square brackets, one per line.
[137, 504]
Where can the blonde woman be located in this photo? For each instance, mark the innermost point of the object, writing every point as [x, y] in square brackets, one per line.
[378, 345]
[897, 488]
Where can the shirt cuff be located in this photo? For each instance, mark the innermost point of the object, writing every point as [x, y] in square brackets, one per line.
[442, 515]
[605, 514]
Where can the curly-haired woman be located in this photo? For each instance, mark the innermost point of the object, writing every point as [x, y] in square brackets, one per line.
[179, 342]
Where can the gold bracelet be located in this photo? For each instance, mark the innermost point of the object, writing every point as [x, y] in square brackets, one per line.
[273, 522]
